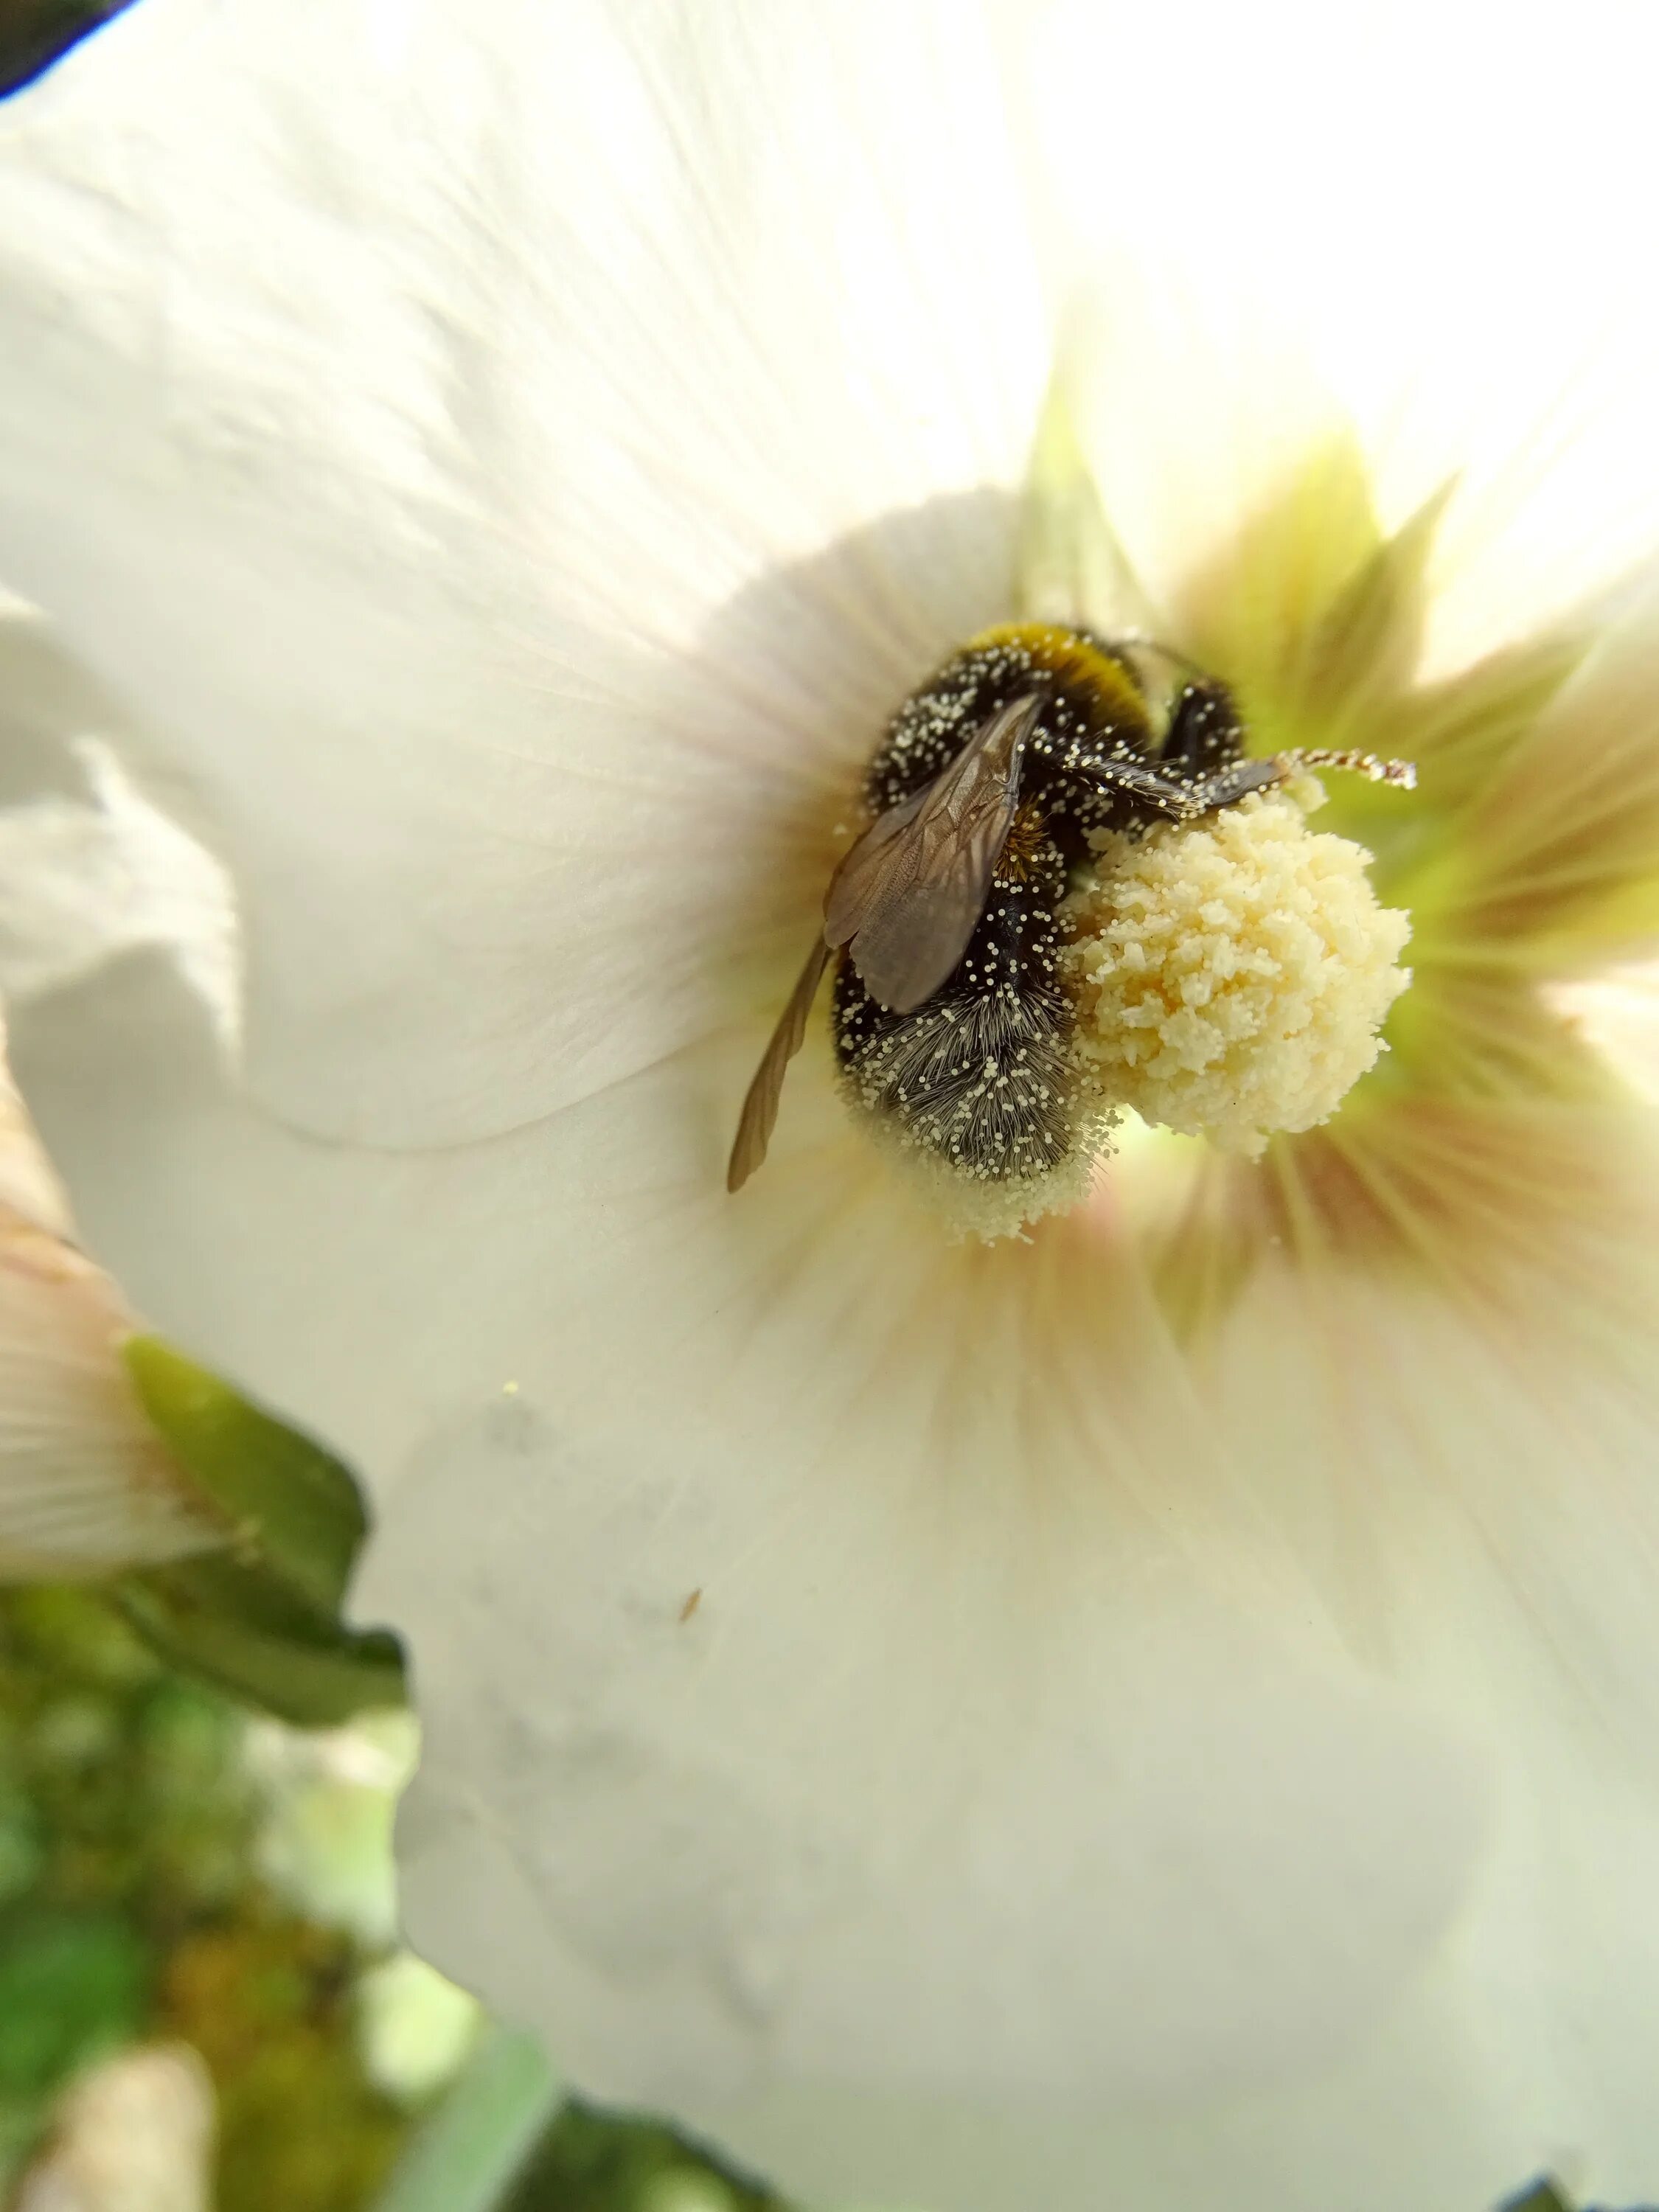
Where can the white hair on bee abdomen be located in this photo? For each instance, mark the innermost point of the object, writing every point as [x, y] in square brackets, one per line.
[977, 1077]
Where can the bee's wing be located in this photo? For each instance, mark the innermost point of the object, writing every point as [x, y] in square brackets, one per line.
[906, 899]
[760, 1107]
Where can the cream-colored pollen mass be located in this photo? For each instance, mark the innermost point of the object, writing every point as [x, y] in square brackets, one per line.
[1230, 976]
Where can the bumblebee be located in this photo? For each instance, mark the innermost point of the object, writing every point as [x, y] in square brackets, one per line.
[982, 796]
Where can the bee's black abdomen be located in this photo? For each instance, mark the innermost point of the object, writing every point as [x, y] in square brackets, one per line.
[978, 1073]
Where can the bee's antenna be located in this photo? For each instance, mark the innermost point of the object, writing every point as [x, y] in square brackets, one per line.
[1402, 774]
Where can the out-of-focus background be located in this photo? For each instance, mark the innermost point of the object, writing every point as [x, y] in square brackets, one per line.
[204, 2007]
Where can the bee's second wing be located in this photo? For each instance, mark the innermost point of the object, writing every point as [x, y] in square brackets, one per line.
[760, 1107]
[906, 899]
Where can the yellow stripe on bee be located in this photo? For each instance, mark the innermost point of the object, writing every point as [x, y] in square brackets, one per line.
[1098, 683]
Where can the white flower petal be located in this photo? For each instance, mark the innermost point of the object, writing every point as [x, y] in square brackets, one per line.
[595, 443]
[89, 868]
[783, 1725]
[47, 702]
[28, 1187]
[1471, 1483]
[1380, 216]
[867, 1815]
[1618, 1014]
[1526, 2048]
[81, 883]
[85, 1484]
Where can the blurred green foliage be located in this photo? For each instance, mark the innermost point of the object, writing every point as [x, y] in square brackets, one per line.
[267, 2001]
[129, 1909]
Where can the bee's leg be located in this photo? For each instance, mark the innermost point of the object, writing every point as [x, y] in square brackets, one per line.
[1117, 778]
[1205, 733]
[1229, 785]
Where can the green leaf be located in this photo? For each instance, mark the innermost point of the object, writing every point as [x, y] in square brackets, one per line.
[260, 1619]
[241, 1630]
[288, 1501]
